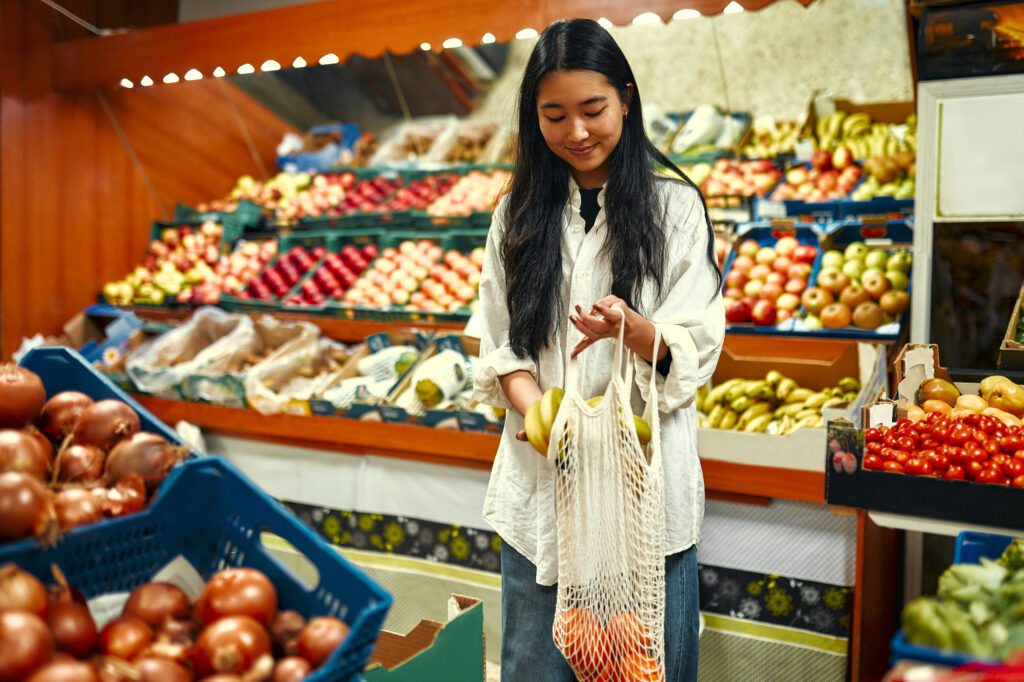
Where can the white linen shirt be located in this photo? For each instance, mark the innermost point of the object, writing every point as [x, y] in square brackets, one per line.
[520, 499]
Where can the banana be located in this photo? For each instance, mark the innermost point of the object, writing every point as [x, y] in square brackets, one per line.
[716, 414]
[535, 430]
[832, 402]
[850, 396]
[718, 393]
[760, 390]
[773, 378]
[849, 384]
[804, 414]
[833, 391]
[549, 404]
[816, 400]
[856, 124]
[737, 390]
[799, 395]
[729, 420]
[812, 421]
[758, 423]
[752, 412]
[702, 393]
[784, 388]
[741, 403]
[835, 122]
[786, 425]
[789, 410]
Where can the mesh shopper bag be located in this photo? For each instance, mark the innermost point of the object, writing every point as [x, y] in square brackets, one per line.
[610, 611]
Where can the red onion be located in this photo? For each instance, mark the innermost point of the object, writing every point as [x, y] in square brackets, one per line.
[154, 669]
[65, 671]
[25, 452]
[232, 644]
[21, 591]
[321, 637]
[291, 669]
[25, 644]
[105, 423]
[81, 464]
[145, 454]
[26, 507]
[60, 414]
[156, 602]
[127, 497]
[21, 396]
[125, 638]
[73, 628]
[76, 507]
[284, 632]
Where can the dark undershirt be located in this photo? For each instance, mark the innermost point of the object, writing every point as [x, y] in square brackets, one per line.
[589, 208]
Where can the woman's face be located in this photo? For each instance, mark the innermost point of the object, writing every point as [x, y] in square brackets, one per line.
[581, 119]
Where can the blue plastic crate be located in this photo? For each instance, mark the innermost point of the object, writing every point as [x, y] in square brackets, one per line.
[970, 548]
[212, 515]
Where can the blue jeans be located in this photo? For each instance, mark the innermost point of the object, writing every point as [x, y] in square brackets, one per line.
[528, 654]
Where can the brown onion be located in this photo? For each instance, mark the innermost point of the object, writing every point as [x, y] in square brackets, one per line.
[176, 632]
[155, 669]
[285, 631]
[127, 497]
[110, 669]
[21, 396]
[105, 423]
[237, 591]
[221, 677]
[25, 644]
[60, 414]
[230, 645]
[26, 452]
[321, 637]
[76, 507]
[65, 671]
[73, 628]
[155, 602]
[26, 507]
[146, 454]
[22, 591]
[125, 637]
[81, 464]
[291, 669]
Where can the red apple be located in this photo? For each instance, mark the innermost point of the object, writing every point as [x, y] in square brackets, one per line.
[805, 253]
[787, 301]
[820, 159]
[782, 314]
[749, 248]
[759, 271]
[764, 313]
[735, 279]
[786, 245]
[765, 254]
[782, 264]
[815, 299]
[737, 312]
[799, 271]
[841, 158]
[796, 285]
[734, 293]
[770, 291]
[775, 278]
[742, 263]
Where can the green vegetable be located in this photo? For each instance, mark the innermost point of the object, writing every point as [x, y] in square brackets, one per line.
[925, 624]
[1013, 557]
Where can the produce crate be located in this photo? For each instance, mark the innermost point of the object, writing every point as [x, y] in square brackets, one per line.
[970, 548]
[893, 209]
[806, 211]
[335, 242]
[224, 530]
[1011, 353]
[246, 216]
[309, 240]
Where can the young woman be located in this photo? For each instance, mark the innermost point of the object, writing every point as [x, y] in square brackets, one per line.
[588, 226]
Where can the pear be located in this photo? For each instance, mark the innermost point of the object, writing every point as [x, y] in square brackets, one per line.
[988, 383]
[938, 389]
[1009, 397]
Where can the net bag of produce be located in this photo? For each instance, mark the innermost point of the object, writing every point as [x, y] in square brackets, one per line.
[286, 383]
[610, 610]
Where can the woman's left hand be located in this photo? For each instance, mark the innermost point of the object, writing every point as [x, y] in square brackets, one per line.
[600, 322]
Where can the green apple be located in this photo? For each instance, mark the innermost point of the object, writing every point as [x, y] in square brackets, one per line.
[897, 279]
[899, 261]
[876, 258]
[832, 259]
[867, 272]
[826, 272]
[853, 269]
[813, 322]
[855, 250]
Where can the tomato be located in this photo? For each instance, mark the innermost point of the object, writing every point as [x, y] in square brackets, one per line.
[872, 461]
[916, 466]
[1019, 454]
[930, 444]
[973, 453]
[971, 419]
[872, 436]
[1018, 482]
[906, 443]
[992, 447]
[934, 417]
[972, 469]
[991, 475]
[889, 438]
[875, 447]
[900, 456]
[940, 433]
[959, 434]
[1013, 468]
[953, 454]
[999, 459]
[938, 461]
[903, 424]
[989, 424]
[979, 436]
[890, 465]
[955, 472]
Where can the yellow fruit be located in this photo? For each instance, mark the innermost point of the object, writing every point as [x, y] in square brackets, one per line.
[937, 406]
[938, 389]
[1009, 397]
[989, 383]
[914, 413]
[535, 431]
[1002, 416]
[643, 430]
[549, 405]
[973, 403]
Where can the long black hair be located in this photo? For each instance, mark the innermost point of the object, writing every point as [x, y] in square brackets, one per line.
[531, 244]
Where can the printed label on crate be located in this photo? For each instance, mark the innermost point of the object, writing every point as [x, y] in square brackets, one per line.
[441, 419]
[394, 415]
[474, 421]
[361, 412]
[378, 342]
[322, 408]
[450, 342]
[771, 209]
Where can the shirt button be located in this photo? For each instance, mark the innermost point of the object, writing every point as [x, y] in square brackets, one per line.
[576, 229]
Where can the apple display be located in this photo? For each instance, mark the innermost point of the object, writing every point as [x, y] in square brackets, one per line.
[805, 253]
[764, 313]
[853, 295]
[835, 316]
[799, 271]
[729, 178]
[815, 299]
[867, 315]
[832, 280]
[897, 279]
[876, 285]
[876, 258]
[737, 312]
[832, 259]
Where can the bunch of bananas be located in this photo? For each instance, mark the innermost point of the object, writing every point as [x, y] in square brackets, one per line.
[769, 138]
[541, 417]
[775, 404]
[866, 138]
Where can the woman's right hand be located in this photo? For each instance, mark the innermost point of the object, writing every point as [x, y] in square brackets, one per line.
[521, 435]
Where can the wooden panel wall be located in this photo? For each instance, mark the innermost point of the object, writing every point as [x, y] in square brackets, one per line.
[74, 209]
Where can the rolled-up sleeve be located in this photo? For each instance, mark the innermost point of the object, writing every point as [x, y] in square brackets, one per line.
[496, 357]
[690, 316]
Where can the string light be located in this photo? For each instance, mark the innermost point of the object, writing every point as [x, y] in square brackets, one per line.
[488, 39]
[526, 34]
[246, 69]
[298, 63]
[193, 75]
[451, 43]
[684, 14]
[733, 8]
[125, 83]
[646, 18]
[219, 72]
[270, 65]
[329, 58]
[146, 81]
[425, 47]
[605, 22]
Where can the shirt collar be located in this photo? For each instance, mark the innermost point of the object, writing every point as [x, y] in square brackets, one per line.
[575, 199]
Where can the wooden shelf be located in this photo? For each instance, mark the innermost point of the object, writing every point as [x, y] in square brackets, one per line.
[723, 480]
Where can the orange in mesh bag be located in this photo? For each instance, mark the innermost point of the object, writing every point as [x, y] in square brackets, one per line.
[610, 612]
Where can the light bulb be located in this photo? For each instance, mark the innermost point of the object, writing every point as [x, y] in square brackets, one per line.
[685, 14]
[451, 43]
[733, 8]
[171, 78]
[425, 47]
[646, 18]
[246, 68]
[270, 65]
[329, 58]
[526, 33]
[487, 39]
[219, 72]
[193, 75]
[298, 63]
[125, 83]
[146, 81]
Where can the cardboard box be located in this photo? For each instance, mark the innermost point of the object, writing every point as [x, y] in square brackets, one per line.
[1011, 353]
[925, 496]
[432, 651]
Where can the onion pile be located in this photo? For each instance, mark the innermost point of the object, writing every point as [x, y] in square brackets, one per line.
[93, 456]
[233, 633]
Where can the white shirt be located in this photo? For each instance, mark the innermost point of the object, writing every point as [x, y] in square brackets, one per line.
[520, 502]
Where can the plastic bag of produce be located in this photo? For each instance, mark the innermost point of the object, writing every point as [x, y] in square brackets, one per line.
[205, 343]
[286, 382]
[463, 143]
[610, 515]
[441, 377]
[412, 140]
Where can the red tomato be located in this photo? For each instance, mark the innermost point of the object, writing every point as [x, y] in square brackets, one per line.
[916, 466]
[872, 436]
[989, 424]
[979, 436]
[999, 459]
[930, 444]
[975, 454]
[959, 434]
[900, 456]
[903, 424]
[953, 454]
[971, 419]
[887, 452]
[1019, 454]
[874, 447]
[889, 438]
[1018, 482]
[934, 417]
[938, 461]
[872, 461]
[906, 443]
[972, 469]
[892, 466]
[992, 447]
[991, 475]
[940, 433]
[955, 472]
[1013, 468]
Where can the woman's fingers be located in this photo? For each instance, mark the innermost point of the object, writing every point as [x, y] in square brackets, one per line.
[580, 347]
[521, 435]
